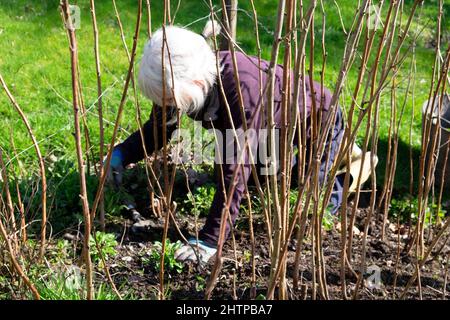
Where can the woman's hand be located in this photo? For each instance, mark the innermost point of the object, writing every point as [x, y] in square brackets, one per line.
[115, 172]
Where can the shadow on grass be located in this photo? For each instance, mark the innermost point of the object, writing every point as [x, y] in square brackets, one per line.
[402, 180]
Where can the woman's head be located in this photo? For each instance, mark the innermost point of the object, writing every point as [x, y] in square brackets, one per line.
[190, 67]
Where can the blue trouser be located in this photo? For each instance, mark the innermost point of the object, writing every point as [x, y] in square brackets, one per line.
[331, 150]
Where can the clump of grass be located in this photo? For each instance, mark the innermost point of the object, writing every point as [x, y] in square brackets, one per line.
[70, 285]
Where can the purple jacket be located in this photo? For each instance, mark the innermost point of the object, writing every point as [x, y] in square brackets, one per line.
[214, 114]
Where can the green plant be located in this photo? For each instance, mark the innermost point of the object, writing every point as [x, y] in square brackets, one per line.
[247, 256]
[70, 284]
[61, 251]
[433, 214]
[408, 208]
[170, 263]
[260, 297]
[328, 220]
[106, 244]
[5, 288]
[199, 201]
[200, 284]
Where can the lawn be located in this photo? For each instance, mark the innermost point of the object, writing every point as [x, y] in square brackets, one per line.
[34, 61]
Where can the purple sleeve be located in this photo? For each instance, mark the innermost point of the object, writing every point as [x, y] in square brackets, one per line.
[132, 148]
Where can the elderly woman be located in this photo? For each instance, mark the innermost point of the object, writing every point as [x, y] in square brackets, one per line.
[192, 85]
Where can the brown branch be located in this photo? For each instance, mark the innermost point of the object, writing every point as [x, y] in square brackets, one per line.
[41, 166]
[79, 150]
[12, 255]
[99, 105]
[119, 113]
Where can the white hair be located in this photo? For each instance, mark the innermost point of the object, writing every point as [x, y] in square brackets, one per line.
[188, 59]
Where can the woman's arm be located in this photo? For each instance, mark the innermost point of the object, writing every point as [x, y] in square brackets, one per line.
[132, 149]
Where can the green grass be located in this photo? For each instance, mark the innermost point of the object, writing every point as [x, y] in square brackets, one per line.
[34, 60]
[71, 285]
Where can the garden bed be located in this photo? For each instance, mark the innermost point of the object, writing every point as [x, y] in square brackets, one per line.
[235, 277]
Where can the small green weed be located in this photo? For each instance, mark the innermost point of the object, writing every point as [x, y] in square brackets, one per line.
[200, 284]
[408, 208]
[106, 243]
[170, 263]
[199, 201]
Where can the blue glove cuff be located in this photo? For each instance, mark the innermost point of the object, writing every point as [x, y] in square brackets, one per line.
[116, 158]
[193, 241]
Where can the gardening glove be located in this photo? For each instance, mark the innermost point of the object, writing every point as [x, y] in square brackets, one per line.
[187, 253]
[115, 172]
